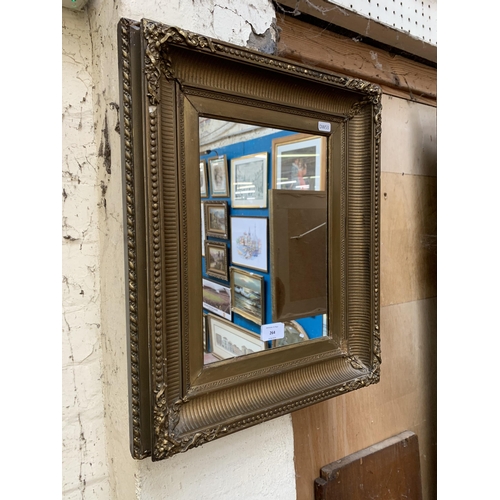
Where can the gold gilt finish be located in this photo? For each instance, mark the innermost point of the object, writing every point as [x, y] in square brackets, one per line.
[169, 78]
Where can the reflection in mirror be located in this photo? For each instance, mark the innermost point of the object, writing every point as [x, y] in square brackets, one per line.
[264, 237]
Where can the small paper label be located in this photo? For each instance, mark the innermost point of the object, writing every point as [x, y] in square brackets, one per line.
[324, 126]
[272, 331]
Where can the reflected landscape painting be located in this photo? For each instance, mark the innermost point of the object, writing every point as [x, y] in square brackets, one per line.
[247, 295]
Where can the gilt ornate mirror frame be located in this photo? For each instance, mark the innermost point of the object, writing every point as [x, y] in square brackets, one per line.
[170, 78]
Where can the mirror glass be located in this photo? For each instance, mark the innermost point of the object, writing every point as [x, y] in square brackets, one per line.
[263, 237]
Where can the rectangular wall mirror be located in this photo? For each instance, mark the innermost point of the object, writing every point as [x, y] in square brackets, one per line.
[251, 196]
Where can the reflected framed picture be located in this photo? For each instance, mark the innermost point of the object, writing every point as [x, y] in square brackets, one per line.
[249, 242]
[216, 259]
[216, 225]
[203, 230]
[294, 333]
[249, 181]
[247, 295]
[203, 179]
[229, 340]
[299, 162]
[217, 298]
[217, 173]
[204, 332]
[299, 254]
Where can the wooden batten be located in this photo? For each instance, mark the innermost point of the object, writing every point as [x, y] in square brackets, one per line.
[397, 75]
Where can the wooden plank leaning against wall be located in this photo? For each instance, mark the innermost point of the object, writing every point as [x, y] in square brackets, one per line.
[405, 399]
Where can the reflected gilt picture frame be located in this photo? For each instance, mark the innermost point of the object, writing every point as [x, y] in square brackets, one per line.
[216, 220]
[299, 162]
[205, 333]
[202, 225]
[298, 254]
[294, 334]
[247, 295]
[216, 263]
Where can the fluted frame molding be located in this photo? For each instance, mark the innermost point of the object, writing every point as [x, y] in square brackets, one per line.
[175, 402]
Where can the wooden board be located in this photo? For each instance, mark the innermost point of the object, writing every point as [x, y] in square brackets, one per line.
[397, 75]
[387, 470]
[358, 23]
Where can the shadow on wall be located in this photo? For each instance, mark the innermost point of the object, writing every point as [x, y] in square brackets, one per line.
[426, 211]
[426, 271]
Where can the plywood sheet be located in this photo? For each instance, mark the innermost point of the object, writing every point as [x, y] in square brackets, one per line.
[408, 243]
[405, 399]
[409, 137]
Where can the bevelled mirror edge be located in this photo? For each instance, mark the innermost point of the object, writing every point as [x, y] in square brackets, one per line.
[272, 118]
[165, 414]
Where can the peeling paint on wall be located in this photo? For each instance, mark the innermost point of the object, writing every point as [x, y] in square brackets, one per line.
[105, 148]
[85, 473]
[97, 461]
[265, 42]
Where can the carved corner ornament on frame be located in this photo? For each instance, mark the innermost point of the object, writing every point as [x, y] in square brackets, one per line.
[169, 79]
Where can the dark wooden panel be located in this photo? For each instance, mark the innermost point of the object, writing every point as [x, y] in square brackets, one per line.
[385, 471]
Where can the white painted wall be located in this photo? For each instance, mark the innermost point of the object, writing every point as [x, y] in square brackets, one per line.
[253, 464]
[85, 471]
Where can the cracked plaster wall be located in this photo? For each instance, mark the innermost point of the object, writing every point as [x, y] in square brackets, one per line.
[85, 471]
[97, 461]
